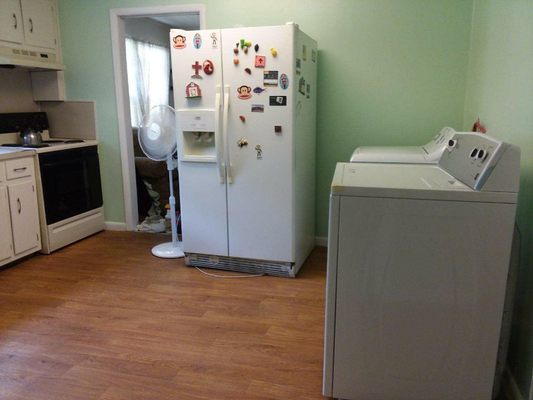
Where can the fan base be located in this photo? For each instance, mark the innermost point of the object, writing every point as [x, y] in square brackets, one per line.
[168, 250]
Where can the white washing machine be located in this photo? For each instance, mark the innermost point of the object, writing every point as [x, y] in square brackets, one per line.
[429, 153]
[417, 268]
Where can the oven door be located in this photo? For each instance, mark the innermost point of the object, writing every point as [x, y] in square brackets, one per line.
[71, 182]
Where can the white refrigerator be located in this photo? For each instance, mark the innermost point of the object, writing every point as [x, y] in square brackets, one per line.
[246, 106]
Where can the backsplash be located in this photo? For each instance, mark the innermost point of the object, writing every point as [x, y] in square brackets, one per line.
[15, 91]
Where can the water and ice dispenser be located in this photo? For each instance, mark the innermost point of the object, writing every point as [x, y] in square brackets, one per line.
[197, 131]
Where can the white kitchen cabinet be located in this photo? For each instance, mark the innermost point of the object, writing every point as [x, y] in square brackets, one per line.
[11, 28]
[39, 23]
[24, 216]
[29, 34]
[6, 242]
[20, 234]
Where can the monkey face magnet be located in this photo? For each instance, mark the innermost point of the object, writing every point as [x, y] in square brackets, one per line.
[244, 92]
[178, 42]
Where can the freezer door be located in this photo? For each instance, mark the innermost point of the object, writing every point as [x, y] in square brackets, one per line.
[260, 171]
[197, 85]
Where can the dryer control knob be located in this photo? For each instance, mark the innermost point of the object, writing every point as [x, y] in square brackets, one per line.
[452, 143]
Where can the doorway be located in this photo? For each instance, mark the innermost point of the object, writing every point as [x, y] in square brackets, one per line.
[147, 23]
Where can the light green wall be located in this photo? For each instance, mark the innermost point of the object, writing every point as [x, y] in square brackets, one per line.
[390, 71]
[500, 92]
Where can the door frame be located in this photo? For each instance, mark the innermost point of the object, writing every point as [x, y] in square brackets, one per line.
[117, 16]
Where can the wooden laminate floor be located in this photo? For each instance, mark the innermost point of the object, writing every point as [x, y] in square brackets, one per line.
[103, 319]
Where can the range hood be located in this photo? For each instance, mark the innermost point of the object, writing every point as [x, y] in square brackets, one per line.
[11, 57]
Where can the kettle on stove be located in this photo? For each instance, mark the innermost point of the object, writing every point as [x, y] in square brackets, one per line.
[31, 137]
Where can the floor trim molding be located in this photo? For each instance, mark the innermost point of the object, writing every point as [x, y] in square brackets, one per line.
[115, 226]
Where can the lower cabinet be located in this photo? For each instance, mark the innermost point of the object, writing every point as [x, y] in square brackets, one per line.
[19, 213]
[6, 246]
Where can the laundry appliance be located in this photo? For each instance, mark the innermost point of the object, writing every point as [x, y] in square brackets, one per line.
[429, 153]
[418, 260]
[246, 110]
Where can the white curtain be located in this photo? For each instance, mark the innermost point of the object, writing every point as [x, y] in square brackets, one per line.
[148, 77]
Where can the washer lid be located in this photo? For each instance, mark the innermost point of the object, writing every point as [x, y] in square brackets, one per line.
[414, 181]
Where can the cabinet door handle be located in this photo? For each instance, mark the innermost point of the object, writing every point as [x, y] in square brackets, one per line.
[19, 205]
[31, 25]
[15, 22]
[20, 169]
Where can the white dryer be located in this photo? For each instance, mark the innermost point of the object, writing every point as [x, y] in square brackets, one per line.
[429, 153]
[417, 268]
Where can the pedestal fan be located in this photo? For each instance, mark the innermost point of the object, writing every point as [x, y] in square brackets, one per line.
[158, 140]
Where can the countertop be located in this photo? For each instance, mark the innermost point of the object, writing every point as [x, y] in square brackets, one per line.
[8, 154]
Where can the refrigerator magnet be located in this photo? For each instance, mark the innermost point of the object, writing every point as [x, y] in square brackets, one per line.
[197, 67]
[192, 90]
[298, 66]
[313, 55]
[214, 40]
[260, 61]
[304, 52]
[258, 90]
[308, 90]
[178, 42]
[256, 47]
[197, 41]
[244, 92]
[248, 71]
[259, 151]
[301, 85]
[283, 81]
[270, 78]
[278, 100]
[258, 108]
[208, 67]
[277, 128]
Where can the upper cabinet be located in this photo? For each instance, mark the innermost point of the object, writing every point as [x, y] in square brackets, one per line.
[11, 28]
[29, 33]
[39, 23]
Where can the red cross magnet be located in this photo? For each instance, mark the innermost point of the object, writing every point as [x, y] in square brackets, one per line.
[197, 67]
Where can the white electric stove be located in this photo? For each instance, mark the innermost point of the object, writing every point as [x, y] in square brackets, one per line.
[68, 181]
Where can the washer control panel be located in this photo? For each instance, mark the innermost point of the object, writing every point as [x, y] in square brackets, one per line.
[471, 157]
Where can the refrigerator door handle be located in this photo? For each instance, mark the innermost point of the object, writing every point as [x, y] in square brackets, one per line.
[219, 140]
[225, 132]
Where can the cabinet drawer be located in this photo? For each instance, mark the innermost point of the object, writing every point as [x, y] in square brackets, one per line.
[19, 168]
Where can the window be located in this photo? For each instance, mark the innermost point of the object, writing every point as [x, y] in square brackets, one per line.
[148, 77]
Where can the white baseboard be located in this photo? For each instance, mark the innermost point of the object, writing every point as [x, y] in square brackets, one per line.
[510, 388]
[321, 241]
[121, 226]
[115, 226]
